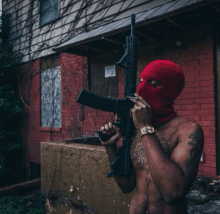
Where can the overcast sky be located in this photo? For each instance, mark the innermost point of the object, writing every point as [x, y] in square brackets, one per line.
[0, 4]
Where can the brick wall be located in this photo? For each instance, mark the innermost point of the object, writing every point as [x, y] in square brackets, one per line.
[196, 101]
[77, 120]
[74, 71]
[74, 77]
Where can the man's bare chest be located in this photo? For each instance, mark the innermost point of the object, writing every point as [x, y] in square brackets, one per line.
[167, 139]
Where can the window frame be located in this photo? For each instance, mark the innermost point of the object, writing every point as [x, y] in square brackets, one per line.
[39, 13]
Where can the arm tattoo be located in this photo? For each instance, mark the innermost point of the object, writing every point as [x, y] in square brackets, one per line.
[196, 142]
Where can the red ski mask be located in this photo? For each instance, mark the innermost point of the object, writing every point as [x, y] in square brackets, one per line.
[161, 98]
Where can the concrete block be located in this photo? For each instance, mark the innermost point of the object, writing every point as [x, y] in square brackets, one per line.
[73, 179]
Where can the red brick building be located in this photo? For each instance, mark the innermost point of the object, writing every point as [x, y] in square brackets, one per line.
[174, 30]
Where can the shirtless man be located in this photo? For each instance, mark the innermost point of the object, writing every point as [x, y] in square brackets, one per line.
[165, 162]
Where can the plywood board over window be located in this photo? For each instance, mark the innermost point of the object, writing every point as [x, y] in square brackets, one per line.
[50, 92]
[49, 62]
[51, 97]
[99, 83]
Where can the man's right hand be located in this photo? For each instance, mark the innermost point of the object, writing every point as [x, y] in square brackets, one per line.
[110, 129]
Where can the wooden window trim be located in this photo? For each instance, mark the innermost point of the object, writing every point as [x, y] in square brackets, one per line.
[50, 129]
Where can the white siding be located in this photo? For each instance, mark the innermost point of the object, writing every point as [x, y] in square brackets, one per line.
[25, 30]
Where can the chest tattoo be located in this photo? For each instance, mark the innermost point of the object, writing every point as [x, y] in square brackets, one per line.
[196, 142]
[138, 156]
[137, 152]
[166, 144]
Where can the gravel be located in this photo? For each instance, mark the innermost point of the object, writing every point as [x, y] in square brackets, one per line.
[204, 196]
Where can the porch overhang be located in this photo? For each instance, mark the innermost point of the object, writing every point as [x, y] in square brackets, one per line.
[150, 26]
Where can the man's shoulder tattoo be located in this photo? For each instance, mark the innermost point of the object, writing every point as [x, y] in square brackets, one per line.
[196, 142]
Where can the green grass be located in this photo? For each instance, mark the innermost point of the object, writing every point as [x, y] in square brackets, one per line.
[32, 202]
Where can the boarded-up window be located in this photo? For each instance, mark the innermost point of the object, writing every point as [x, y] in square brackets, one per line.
[48, 11]
[51, 97]
[99, 83]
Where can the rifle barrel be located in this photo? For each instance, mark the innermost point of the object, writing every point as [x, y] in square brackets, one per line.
[132, 24]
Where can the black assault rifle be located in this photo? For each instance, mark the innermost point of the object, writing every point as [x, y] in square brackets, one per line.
[122, 163]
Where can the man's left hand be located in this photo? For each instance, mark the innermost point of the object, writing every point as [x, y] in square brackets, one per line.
[141, 112]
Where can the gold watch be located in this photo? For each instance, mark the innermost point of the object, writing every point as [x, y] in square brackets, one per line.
[148, 129]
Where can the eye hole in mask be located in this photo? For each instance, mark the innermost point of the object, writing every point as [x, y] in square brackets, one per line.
[155, 83]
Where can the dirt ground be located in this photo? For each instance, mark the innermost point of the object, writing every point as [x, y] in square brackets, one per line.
[208, 186]
[203, 198]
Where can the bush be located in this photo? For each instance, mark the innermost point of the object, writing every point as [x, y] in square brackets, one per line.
[10, 109]
[33, 202]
